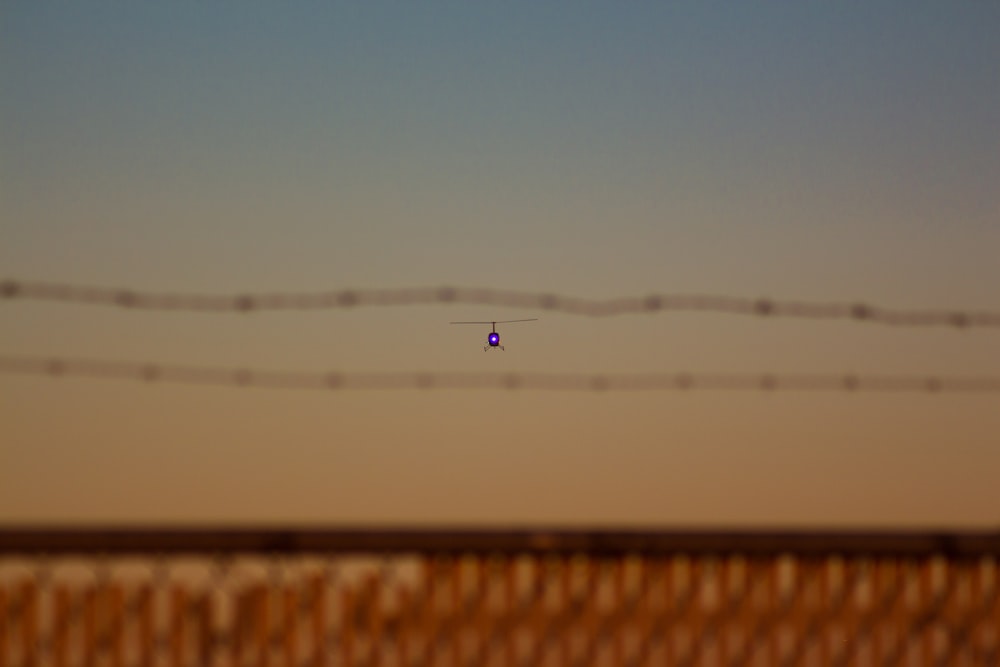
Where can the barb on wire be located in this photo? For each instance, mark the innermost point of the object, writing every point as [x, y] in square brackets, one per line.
[350, 298]
[594, 382]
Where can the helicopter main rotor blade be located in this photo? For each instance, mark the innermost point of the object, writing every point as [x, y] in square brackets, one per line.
[530, 319]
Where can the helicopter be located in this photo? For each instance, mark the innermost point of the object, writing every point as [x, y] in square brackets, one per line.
[493, 340]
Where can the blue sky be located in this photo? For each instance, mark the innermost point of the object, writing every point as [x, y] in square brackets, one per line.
[817, 152]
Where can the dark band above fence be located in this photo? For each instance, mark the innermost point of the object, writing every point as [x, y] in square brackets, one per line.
[350, 298]
[537, 541]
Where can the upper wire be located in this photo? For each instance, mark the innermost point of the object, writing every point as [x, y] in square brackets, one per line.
[350, 298]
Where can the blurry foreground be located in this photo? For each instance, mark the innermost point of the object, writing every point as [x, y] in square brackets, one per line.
[433, 597]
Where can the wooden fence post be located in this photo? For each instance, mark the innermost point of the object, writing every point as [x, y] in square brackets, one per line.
[178, 609]
[29, 622]
[317, 615]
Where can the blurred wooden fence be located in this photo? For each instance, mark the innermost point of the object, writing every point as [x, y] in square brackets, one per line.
[482, 598]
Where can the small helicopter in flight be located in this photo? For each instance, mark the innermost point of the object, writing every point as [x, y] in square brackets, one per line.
[493, 340]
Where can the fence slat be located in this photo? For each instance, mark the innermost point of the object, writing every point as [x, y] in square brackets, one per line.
[5, 614]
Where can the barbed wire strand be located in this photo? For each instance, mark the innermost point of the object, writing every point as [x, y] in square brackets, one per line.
[350, 298]
[580, 382]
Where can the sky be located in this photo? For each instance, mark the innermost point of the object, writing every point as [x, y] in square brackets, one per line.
[796, 151]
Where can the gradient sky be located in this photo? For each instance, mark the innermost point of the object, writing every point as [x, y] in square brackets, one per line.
[838, 151]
